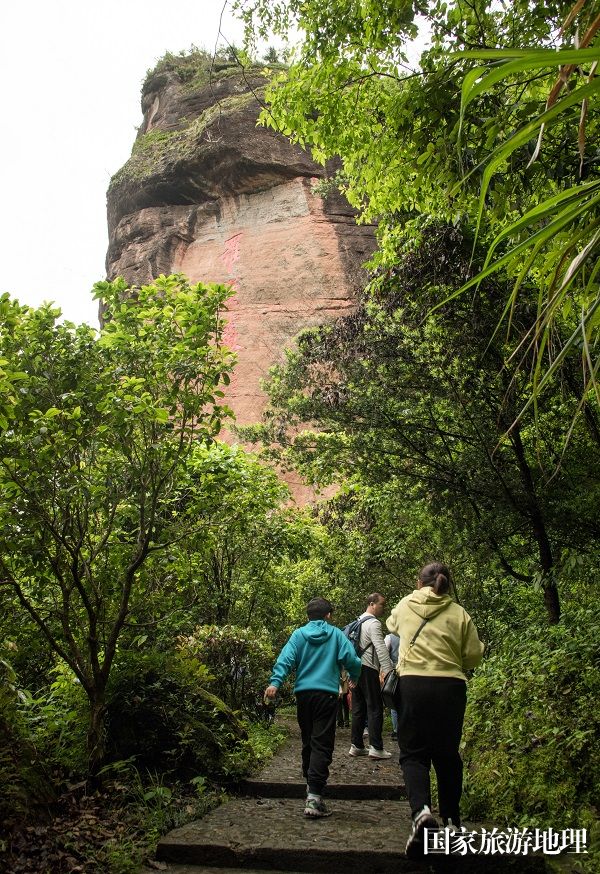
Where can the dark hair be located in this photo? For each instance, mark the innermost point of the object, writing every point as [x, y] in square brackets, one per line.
[437, 576]
[318, 608]
[374, 598]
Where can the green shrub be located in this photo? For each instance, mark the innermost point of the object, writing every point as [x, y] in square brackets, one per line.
[240, 659]
[533, 724]
[58, 718]
[161, 715]
[23, 776]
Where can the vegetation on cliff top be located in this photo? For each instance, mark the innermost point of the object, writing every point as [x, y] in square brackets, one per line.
[196, 67]
[155, 150]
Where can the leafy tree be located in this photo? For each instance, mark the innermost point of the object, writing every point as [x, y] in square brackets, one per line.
[403, 396]
[93, 457]
[244, 533]
[228, 568]
[271, 56]
[411, 150]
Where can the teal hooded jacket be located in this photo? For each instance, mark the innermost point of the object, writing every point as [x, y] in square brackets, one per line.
[316, 652]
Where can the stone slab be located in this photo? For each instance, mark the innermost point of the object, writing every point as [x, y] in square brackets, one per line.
[202, 869]
[273, 834]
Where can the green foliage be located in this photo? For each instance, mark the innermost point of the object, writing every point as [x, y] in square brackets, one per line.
[557, 239]
[57, 718]
[23, 775]
[532, 724]
[188, 65]
[411, 402]
[242, 532]
[94, 457]
[161, 715]
[446, 141]
[239, 659]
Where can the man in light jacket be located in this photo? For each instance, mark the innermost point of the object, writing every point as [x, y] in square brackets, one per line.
[316, 652]
[367, 703]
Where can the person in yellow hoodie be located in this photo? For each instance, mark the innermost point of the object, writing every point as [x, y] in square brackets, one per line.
[438, 643]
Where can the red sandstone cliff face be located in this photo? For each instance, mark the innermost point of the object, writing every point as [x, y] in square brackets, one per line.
[209, 194]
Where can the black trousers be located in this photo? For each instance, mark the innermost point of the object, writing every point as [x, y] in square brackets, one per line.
[316, 713]
[431, 711]
[367, 706]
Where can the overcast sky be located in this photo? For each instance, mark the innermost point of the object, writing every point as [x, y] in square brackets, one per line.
[71, 74]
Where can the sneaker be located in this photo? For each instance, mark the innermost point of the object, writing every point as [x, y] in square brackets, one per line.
[415, 847]
[357, 751]
[379, 754]
[315, 808]
[453, 827]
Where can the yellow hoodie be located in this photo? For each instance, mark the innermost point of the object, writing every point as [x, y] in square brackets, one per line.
[447, 645]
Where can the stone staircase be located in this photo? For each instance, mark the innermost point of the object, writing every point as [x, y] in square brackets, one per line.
[265, 830]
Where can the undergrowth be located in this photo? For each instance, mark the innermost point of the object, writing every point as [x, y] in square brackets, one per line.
[532, 728]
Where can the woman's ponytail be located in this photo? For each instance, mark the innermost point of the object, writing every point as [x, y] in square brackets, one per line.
[437, 576]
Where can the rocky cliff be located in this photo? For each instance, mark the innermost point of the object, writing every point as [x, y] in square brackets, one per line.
[208, 193]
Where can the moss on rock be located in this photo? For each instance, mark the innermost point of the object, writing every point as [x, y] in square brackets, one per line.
[154, 151]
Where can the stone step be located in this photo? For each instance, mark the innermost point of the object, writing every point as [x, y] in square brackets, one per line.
[273, 834]
[260, 788]
[377, 778]
[202, 869]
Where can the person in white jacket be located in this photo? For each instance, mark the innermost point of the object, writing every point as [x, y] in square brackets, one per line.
[439, 643]
[367, 703]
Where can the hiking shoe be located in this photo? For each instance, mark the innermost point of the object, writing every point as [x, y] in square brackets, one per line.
[315, 808]
[415, 845]
[379, 754]
[452, 827]
[357, 751]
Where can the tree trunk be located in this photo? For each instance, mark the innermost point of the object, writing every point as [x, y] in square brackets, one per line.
[538, 525]
[96, 746]
[552, 602]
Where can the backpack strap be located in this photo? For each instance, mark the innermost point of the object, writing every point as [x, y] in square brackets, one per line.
[370, 643]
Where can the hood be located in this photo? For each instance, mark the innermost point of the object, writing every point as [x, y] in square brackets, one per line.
[426, 604]
[317, 631]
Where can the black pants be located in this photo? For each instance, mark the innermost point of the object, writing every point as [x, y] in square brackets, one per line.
[430, 718]
[367, 705]
[343, 712]
[316, 713]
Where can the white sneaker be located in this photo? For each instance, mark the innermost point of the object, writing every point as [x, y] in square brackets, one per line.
[452, 829]
[357, 751]
[415, 845]
[379, 754]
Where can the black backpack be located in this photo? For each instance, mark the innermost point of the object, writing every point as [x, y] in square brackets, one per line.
[352, 632]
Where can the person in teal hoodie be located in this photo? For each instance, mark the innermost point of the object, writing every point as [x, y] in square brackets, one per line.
[316, 652]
